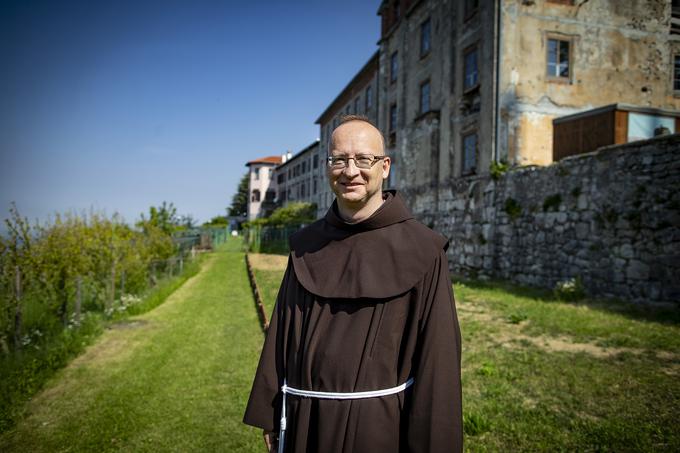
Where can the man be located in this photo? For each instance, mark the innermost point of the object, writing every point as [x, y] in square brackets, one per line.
[365, 307]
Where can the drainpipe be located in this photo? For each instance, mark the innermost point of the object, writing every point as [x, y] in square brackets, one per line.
[496, 118]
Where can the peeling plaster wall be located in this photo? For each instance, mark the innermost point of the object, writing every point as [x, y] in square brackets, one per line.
[621, 52]
[610, 218]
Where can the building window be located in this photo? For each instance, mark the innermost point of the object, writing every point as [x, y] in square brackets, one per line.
[302, 190]
[369, 97]
[269, 195]
[425, 97]
[356, 105]
[393, 118]
[394, 67]
[676, 74]
[471, 7]
[304, 167]
[471, 79]
[469, 153]
[281, 178]
[256, 173]
[425, 32]
[675, 17]
[315, 161]
[315, 186]
[255, 196]
[558, 59]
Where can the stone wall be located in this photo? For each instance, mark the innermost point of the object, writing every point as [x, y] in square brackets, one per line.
[610, 218]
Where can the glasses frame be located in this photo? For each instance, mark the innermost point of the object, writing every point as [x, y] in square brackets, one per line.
[375, 158]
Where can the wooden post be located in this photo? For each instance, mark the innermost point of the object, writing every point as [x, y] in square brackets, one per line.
[79, 293]
[18, 315]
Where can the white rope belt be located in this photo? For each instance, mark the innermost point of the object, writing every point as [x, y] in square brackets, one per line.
[332, 396]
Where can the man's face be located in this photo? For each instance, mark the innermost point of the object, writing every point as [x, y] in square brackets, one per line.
[352, 185]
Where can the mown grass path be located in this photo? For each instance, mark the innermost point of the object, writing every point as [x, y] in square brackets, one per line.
[174, 379]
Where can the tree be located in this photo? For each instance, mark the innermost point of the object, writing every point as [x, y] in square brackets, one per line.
[163, 217]
[219, 220]
[239, 203]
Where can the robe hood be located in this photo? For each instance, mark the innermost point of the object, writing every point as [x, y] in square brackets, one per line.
[380, 257]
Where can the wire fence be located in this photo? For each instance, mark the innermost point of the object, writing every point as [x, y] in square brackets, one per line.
[270, 239]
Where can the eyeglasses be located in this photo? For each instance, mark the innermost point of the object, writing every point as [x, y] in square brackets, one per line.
[360, 160]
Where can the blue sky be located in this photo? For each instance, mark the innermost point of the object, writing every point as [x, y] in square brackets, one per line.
[118, 106]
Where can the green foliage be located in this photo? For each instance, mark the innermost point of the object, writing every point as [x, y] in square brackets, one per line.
[552, 203]
[475, 424]
[516, 318]
[497, 169]
[293, 214]
[163, 217]
[512, 208]
[217, 221]
[239, 203]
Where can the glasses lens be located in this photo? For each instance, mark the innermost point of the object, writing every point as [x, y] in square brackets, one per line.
[364, 161]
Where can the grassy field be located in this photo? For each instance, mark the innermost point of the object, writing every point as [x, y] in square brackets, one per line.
[540, 374]
[174, 379]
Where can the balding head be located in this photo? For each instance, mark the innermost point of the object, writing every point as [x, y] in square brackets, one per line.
[359, 124]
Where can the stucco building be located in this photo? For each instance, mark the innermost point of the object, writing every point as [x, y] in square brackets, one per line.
[261, 186]
[466, 83]
[296, 178]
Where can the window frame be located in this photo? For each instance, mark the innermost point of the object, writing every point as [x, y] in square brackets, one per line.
[426, 25]
[470, 50]
[423, 84]
[464, 135]
[368, 101]
[570, 58]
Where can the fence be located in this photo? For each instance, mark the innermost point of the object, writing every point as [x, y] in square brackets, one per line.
[269, 239]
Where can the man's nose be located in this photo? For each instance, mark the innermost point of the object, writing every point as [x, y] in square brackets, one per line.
[351, 169]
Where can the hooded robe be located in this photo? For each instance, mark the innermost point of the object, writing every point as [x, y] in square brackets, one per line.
[364, 307]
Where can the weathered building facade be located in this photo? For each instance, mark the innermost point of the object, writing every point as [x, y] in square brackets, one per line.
[359, 97]
[467, 83]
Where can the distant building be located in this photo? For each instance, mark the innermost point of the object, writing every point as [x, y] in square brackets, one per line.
[296, 178]
[261, 186]
[360, 96]
[466, 83]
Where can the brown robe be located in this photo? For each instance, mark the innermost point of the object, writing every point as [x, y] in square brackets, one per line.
[364, 307]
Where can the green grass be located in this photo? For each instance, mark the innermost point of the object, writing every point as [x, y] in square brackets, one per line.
[24, 373]
[174, 379]
[268, 282]
[540, 374]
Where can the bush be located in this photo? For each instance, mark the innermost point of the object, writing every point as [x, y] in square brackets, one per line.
[569, 290]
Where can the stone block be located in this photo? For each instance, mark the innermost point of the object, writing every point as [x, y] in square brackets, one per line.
[637, 270]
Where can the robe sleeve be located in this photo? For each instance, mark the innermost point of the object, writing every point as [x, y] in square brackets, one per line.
[435, 414]
[264, 404]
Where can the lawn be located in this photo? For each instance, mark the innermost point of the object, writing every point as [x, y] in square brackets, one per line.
[174, 379]
[540, 374]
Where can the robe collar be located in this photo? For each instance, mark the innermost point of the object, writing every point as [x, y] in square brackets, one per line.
[392, 210]
[382, 256]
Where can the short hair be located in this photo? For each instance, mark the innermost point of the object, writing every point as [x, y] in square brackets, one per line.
[349, 118]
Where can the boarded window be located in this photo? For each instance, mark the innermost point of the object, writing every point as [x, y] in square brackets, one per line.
[675, 17]
[676, 74]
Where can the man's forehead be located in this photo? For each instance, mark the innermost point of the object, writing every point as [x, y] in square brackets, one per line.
[356, 132]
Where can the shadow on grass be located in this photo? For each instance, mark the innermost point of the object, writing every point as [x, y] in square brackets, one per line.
[662, 314]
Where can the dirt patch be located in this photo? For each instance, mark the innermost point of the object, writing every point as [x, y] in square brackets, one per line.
[268, 262]
[128, 324]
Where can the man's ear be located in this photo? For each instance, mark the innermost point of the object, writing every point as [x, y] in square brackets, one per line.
[386, 165]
